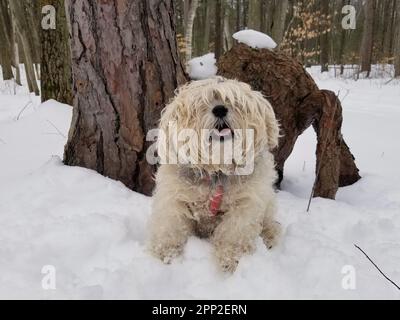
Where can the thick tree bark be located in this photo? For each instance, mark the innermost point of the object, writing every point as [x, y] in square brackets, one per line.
[56, 80]
[298, 104]
[125, 67]
[367, 38]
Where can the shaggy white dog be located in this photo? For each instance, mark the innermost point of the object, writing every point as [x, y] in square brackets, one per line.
[213, 199]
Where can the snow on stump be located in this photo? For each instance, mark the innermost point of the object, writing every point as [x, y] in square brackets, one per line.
[255, 39]
[298, 104]
[202, 67]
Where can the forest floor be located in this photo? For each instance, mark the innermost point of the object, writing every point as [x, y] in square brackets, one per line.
[93, 229]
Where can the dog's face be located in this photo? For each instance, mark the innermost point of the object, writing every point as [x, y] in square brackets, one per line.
[220, 112]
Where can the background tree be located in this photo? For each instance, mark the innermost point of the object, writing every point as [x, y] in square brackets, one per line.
[219, 35]
[397, 42]
[125, 67]
[26, 33]
[279, 20]
[367, 39]
[56, 77]
[256, 12]
[190, 14]
[324, 36]
[6, 48]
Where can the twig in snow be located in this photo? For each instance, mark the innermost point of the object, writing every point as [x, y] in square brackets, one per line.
[23, 109]
[345, 96]
[53, 125]
[387, 82]
[381, 272]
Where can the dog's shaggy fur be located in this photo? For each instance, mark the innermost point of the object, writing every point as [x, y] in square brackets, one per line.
[182, 195]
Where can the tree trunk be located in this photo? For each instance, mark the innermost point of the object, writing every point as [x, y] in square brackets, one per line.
[6, 47]
[298, 104]
[219, 31]
[191, 15]
[255, 14]
[228, 40]
[125, 67]
[16, 56]
[397, 42]
[207, 26]
[238, 15]
[279, 21]
[342, 43]
[56, 77]
[18, 10]
[33, 15]
[367, 38]
[324, 39]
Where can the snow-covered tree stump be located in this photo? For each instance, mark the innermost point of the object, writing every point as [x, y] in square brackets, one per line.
[298, 104]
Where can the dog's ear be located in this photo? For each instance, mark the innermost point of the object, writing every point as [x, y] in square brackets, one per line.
[269, 120]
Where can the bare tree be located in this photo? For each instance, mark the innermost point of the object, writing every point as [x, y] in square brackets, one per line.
[191, 8]
[219, 31]
[397, 42]
[367, 38]
[324, 38]
[207, 26]
[255, 14]
[56, 80]
[24, 32]
[5, 39]
[125, 68]
[279, 20]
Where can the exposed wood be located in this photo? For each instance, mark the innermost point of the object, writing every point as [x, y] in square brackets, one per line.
[298, 104]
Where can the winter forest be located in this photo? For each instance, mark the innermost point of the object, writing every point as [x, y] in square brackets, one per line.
[84, 83]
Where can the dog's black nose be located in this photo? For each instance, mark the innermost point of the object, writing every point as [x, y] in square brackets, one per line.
[220, 111]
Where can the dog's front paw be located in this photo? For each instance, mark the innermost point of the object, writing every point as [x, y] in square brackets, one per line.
[271, 233]
[228, 265]
[227, 260]
[166, 253]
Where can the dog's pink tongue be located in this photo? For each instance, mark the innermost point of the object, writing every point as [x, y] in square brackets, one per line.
[224, 132]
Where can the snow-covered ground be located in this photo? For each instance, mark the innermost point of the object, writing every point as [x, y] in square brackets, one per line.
[92, 230]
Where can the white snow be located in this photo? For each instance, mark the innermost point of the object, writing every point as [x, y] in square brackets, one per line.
[202, 67]
[255, 39]
[93, 229]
